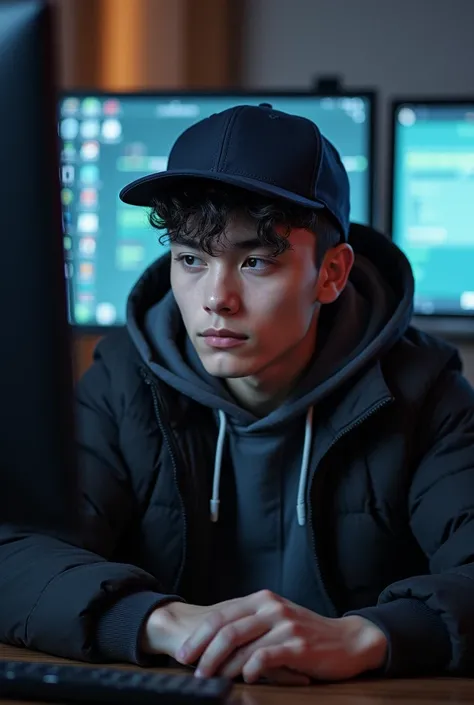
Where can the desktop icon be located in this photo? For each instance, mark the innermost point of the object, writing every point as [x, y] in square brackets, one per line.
[67, 174]
[87, 223]
[86, 271]
[111, 107]
[91, 107]
[67, 220]
[69, 128]
[82, 313]
[70, 106]
[88, 197]
[87, 246]
[90, 151]
[67, 196]
[90, 129]
[89, 174]
[68, 152]
[106, 314]
[111, 130]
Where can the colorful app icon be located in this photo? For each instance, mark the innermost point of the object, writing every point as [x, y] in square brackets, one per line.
[105, 314]
[111, 107]
[82, 313]
[67, 174]
[68, 152]
[86, 271]
[87, 223]
[90, 151]
[67, 196]
[89, 174]
[90, 129]
[70, 106]
[67, 243]
[111, 130]
[91, 107]
[88, 197]
[87, 246]
[69, 128]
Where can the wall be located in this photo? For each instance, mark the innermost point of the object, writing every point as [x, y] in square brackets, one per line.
[398, 47]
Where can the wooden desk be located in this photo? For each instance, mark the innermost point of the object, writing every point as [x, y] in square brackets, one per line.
[435, 691]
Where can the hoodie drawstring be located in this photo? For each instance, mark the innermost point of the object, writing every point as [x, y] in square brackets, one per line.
[301, 499]
[308, 437]
[215, 501]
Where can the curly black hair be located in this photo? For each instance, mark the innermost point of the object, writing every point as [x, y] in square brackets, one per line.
[200, 212]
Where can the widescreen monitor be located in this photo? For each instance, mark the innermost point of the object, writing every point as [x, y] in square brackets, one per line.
[108, 140]
[432, 206]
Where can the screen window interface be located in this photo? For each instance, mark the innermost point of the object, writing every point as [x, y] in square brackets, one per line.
[433, 204]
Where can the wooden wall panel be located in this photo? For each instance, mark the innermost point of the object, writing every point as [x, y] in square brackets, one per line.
[213, 34]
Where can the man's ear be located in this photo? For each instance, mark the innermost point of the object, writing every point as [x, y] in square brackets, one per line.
[334, 273]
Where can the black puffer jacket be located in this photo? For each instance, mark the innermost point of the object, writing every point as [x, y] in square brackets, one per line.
[390, 496]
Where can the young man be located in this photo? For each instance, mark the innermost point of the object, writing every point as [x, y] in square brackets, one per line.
[277, 471]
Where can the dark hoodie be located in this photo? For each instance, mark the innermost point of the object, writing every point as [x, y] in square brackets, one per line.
[262, 465]
[261, 504]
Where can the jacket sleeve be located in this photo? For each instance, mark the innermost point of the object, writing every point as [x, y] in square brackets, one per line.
[69, 598]
[429, 619]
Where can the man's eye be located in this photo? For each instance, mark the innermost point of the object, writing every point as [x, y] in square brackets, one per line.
[189, 261]
[257, 263]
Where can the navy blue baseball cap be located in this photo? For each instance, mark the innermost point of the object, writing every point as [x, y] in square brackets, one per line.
[259, 149]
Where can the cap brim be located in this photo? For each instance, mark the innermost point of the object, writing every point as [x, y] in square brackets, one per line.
[142, 191]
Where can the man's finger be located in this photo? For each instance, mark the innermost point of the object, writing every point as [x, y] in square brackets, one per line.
[269, 658]
[274, 636]
[230, 638]
[198, 641]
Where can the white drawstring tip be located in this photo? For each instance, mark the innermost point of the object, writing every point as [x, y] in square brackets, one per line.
[301, 513]
[214, 503]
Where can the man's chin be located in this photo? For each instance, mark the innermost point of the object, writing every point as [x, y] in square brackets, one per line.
[219, 366]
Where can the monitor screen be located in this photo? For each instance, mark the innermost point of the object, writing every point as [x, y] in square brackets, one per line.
[433, 202]
[108, 140]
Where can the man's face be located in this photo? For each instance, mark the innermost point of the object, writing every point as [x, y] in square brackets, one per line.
[267, 303]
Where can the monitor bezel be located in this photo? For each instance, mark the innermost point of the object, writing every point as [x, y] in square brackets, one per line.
[457, 326]
[367, 94]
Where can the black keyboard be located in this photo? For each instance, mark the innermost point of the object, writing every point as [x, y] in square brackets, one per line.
[21, 680]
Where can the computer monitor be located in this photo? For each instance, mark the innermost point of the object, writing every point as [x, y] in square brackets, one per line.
[37, 480]
[111, 139]
[432, 211]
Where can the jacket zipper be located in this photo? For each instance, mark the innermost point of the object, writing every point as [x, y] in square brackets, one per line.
[171, 450]
[335, 440]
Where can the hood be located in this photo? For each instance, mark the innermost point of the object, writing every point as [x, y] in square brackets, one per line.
[369, 317]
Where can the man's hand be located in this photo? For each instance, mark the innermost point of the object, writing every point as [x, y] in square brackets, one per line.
[169, 626]
[264, 635]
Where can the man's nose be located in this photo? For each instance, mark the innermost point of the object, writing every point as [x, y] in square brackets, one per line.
[222, 296]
